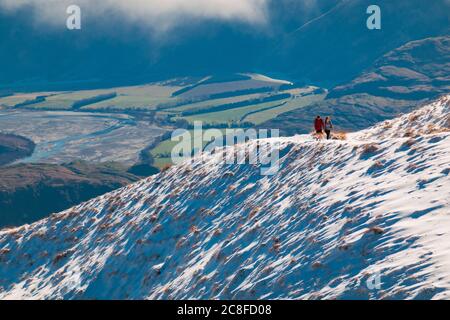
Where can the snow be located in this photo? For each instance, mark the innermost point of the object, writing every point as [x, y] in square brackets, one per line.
[335, 214]
[260, 77]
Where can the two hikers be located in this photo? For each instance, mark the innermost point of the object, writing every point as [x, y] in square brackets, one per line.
[320, 126]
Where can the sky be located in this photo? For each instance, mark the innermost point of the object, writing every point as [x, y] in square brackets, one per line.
[164, 38]
[156, 14]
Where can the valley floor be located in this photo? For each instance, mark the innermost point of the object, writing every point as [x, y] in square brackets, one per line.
[65, 136]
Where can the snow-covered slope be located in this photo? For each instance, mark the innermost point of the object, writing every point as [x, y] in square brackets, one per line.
[338, 213]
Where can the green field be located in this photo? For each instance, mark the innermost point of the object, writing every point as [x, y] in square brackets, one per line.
[212, 103]
[165, 148]
[257, 113]
[155, 96]
[162, 152]
[139, 97]
[65, 101]
[209, 89]
[225, 103]
[232, 115]
[19, 98]
[268, 110]
[296, 103]
[135, 97]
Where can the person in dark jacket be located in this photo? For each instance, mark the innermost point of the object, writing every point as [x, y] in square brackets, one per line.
[319, 125]
[328, 126]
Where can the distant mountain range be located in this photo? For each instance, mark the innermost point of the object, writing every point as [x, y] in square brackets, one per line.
[327, 45]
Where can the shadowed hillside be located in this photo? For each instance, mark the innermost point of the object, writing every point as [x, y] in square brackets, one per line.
[337, 47]
[14, 147]
[29, 192]
[398, 82]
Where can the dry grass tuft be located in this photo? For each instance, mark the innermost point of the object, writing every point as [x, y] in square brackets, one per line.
[339, 135]
[181, 243]
[447, 122]
[387, 125]
[105, 226]
[409, 143]
[433, 129]
[61, 256]
[253, 212]
[410, 133]
[376, 230]
[413, 117]
[166, 167]
[13, 231]
[206, 212]
[369, 149]
[376, 165]
[194, 230]
[344, 247]
[325, 182]
[4, 252]
[276, 194]
[228, 174]
[157, 228]
[276, 244]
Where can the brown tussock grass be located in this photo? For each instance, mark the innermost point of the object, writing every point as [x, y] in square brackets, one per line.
[339, 135]
[369, 149]
[166, 167]
[409, 143]
[376, 230]
[413, 117]
[253, 212]
[410, 133]
[61, 256]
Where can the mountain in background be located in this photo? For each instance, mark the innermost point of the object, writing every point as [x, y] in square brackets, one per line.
[29, 192]
[337, 46]
[326, 44]
[417, 70]
[306, 232]
[397, 82]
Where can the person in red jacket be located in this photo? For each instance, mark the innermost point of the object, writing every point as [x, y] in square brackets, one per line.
[319, 125]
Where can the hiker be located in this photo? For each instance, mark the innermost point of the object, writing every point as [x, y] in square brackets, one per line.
[328, 126]
[319, 125]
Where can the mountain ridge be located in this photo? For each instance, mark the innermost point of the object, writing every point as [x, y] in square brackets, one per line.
[335, 214]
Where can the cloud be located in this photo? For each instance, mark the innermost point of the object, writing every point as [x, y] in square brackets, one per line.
[157, 14]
